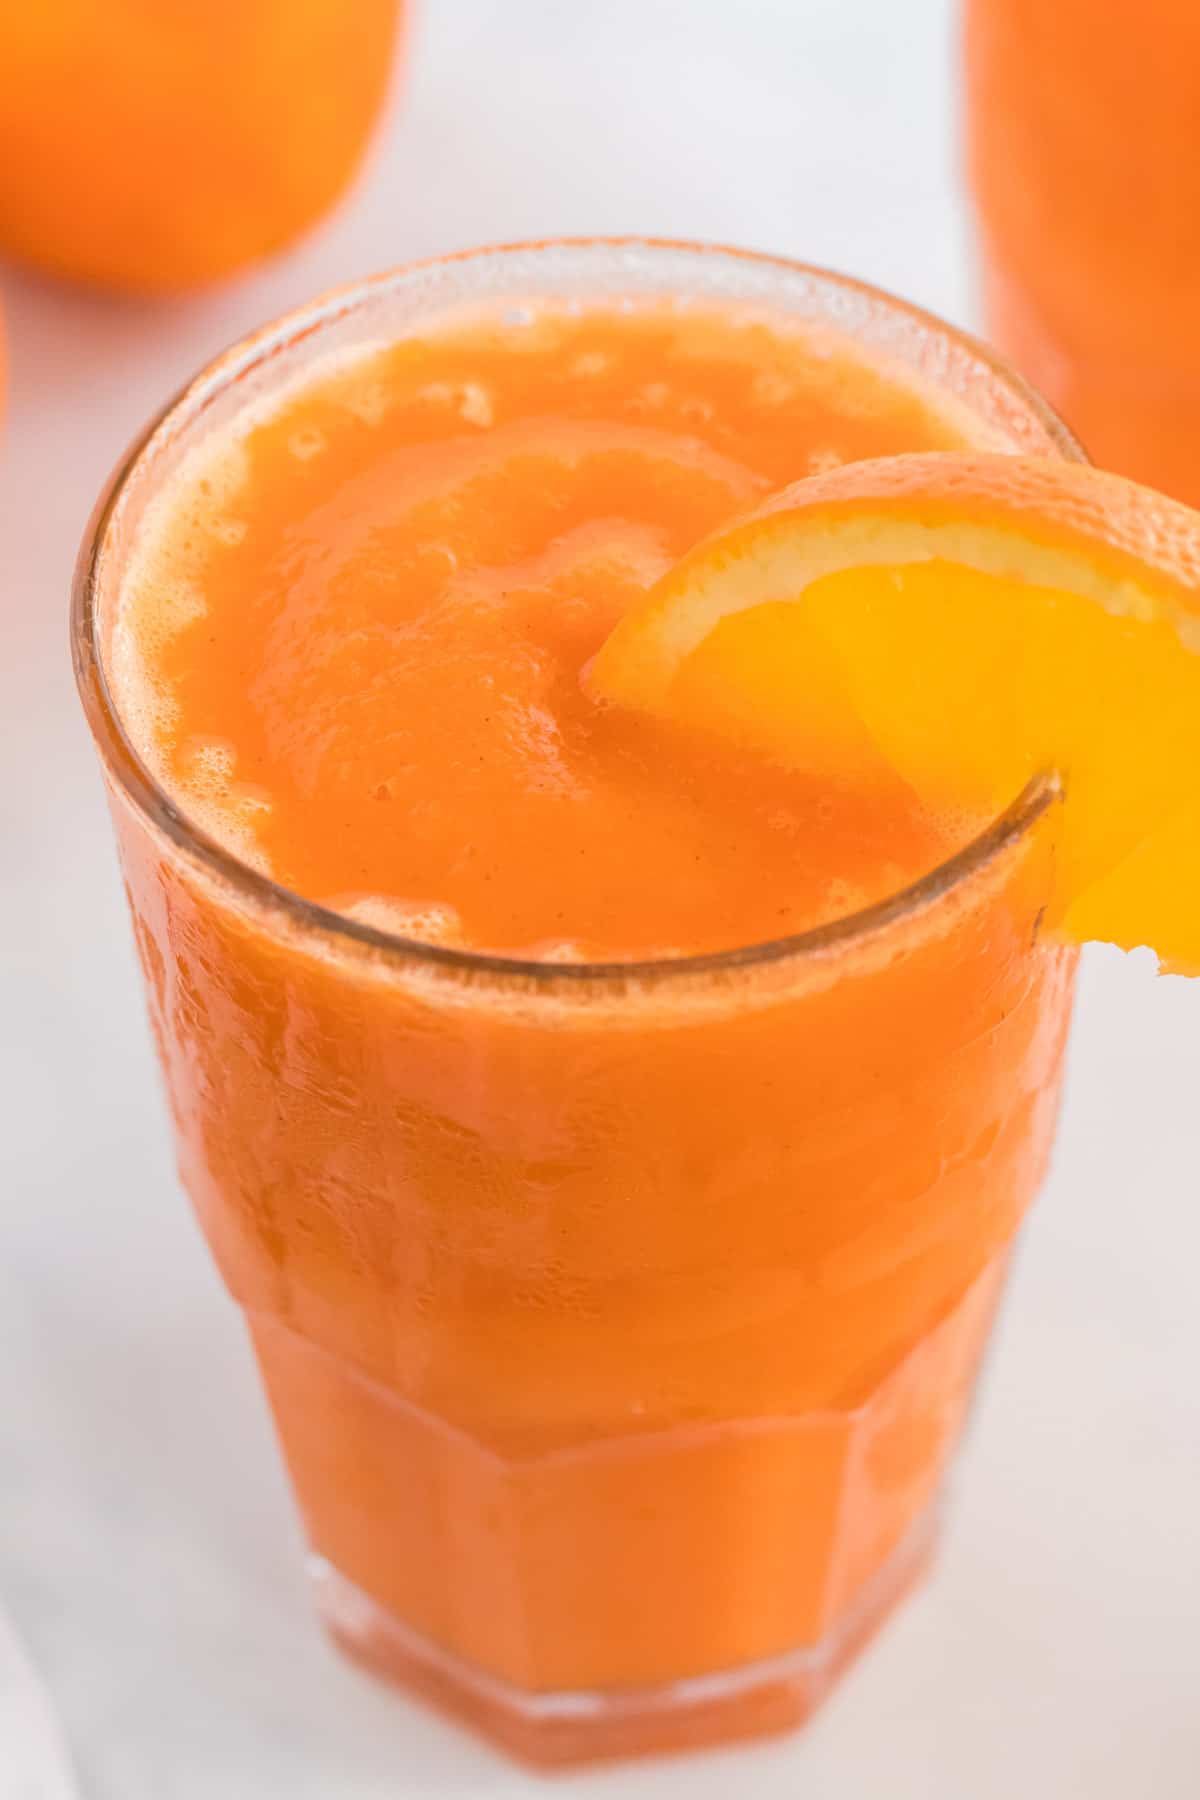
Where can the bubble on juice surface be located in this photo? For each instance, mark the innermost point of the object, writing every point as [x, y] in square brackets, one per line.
[230, 532]
[208, 768]
[428, 922]
[177, 604]
[306, 442]
[150, 709]
[205, 774]
[469, 399]
[555, 950]
[216, 475]
[577, 950]
[370, 403]
[165, 607]
[250, 802]
[208, 765]
[162, 594]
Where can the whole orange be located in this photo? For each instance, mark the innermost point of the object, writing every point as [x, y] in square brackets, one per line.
[151, 145]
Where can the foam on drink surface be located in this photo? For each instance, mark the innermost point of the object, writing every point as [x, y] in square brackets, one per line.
[351, 631]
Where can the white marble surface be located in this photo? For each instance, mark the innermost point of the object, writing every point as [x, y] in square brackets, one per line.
[147, 1550]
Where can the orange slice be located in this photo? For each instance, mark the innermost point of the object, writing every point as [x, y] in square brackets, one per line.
[965, 621]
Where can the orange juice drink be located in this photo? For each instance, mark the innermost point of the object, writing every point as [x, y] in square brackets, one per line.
[615, 1138]
[1083, 127]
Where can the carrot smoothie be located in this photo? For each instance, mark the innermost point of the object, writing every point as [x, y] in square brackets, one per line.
[615, 1138]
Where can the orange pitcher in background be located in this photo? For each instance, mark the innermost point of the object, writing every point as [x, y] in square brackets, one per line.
[1083, 132]
[615, 1140]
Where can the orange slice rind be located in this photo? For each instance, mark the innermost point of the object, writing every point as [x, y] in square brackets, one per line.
[965, 622]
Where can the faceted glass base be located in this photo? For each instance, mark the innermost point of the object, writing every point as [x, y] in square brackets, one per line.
[554, 1729]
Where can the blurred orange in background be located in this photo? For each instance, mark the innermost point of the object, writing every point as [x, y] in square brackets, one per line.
[151, 145]
[1083, 130]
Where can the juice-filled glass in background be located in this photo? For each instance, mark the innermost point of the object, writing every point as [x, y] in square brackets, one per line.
[1083, 133]
[619, 1305]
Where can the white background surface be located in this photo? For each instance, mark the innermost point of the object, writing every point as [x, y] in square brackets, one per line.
[147, 1549]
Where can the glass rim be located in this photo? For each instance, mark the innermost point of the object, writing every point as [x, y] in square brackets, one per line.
[262, 893]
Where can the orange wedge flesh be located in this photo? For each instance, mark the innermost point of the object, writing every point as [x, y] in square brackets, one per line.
[965, 622]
